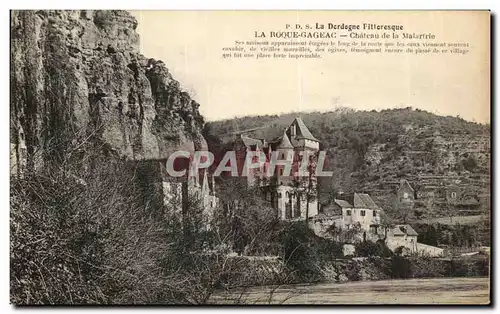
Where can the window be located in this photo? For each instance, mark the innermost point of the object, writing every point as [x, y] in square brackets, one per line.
[281, 171]
[453, 195]
[348, 212]
[288, 210]
[23, 152]
[297, 211]
[363, 213]
[374, 213]
[405, 195]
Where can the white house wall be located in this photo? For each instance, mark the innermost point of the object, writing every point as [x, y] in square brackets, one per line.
[356, 217]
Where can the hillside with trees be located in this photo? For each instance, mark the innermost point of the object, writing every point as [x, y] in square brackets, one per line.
[371, 151]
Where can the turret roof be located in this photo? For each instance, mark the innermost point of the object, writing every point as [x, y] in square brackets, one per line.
[285, 142]
[303, 131]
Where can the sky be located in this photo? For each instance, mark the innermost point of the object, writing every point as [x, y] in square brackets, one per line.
[190, 43]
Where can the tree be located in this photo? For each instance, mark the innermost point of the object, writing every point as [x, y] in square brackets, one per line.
[246, 220]
[470, 163]
[386, 221]
[401, 211]
[344, 235]
[430, 209]
[368, 248]
[305, 188]
[449, 205]
[311, 183]
[260, 228]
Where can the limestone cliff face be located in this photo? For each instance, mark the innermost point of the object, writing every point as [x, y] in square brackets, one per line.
[80, 74]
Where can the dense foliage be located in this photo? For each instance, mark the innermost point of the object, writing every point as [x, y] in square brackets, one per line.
[455, 235]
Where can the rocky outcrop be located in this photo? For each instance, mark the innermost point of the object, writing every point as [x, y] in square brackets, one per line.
[79, 75]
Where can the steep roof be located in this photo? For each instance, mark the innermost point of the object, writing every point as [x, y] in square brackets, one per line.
[410, 231]
[406, 229]
[285, 142]
[397, 231]
[251, 142]
[303, 131]
[343, 204]
[404, 183]
[362, 200]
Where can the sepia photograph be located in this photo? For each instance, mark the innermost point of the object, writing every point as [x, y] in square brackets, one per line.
[272, 157]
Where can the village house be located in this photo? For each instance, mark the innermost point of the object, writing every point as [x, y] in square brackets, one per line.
[364, 215]
[405, 193]
[402, 236]
[336, 208]
[462, 199]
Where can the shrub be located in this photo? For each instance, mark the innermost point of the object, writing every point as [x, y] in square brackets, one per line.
[295, 243]
[400, 267]
[470, 163]
[425, 267]
[352, 270]
[83, 239]
[326, 249]
[467, 267]
[304, 252]
[368, 248]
